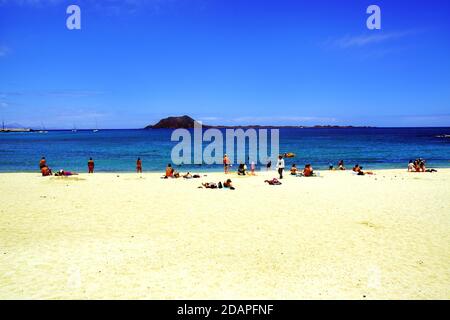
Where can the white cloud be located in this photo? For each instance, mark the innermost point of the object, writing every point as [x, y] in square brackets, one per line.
[369, 39]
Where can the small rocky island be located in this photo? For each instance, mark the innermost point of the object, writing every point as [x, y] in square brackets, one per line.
[186, 122]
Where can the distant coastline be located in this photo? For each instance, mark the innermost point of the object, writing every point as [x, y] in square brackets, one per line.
[186, 122]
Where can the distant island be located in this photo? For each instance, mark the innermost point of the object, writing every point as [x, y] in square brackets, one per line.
[186, 122]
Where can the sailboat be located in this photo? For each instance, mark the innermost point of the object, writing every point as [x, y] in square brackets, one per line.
[96, 127]
[74, 129]
[43, 129]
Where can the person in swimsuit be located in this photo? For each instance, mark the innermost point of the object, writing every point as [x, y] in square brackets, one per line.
[62, 173]
[294, 170]
[228, 184]
[169, 171]
[91, 166]
[139, 165]
[226, 163]
[46, 171]
[308, 170]
[252, 168]
[411, 166]
[42, 163]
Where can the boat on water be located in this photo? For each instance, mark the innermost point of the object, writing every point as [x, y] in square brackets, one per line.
[43, 130]
[5, 129]
[96, 127]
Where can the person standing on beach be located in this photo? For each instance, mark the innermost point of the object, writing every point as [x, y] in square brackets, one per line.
[280, 166]
[226, 163]
[91, 165]
[269, 165]
[252, 168]
[139, 165]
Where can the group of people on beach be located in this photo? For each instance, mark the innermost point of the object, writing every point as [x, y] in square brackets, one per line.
[172, 173]
[46, 171]
[307, 171]
[418, 165]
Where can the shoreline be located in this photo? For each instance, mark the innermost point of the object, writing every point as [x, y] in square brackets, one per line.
[232, 171]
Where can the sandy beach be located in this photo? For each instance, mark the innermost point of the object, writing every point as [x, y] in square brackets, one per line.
[122, 236]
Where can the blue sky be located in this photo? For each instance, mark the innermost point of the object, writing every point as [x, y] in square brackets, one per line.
[224, 62]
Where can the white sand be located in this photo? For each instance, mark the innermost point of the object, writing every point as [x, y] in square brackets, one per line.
[338, 236]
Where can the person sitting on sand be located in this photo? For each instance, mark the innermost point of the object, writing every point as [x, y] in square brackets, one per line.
[227, 184]
[308, 171]
[341, 165]
[42, 163]
[139, 165]
[417, 165]
[169, 171]
[46, 171]
[294, 170]
[241, 169]
[411, 166]
[422, 165]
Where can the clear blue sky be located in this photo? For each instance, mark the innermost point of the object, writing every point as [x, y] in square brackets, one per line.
[224, 62]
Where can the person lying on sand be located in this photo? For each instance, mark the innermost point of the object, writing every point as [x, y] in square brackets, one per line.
[209, 185]
[358, 169]
[187, 175]
[62, 173]
[228, 184]
[273, 182]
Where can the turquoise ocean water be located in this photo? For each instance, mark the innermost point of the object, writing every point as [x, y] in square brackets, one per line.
[117, 150]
